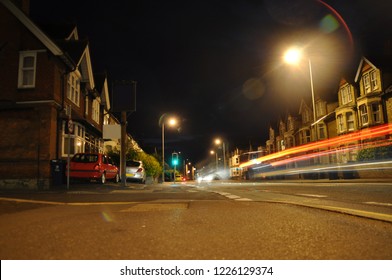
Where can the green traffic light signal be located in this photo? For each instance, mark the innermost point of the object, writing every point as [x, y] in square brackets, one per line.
[175, 159]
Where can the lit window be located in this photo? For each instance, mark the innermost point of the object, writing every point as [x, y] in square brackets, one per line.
[95, 111]
[340, 124]
[370, 81]
[73, 88]
[376, 113]
[321, 129]
[366, 83]
[74, 142]
[350, 121]
[373, 80]
[363, 114]
[346, 95]
[27, 69]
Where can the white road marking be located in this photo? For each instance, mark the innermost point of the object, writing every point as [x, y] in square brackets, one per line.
[378, 203]
[232, 196]
[312, 195]
[244, 199]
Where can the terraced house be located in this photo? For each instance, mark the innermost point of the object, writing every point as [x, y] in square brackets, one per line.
[46, 78]
[360, 118]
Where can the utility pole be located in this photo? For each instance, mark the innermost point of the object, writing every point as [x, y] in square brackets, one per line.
[123, 148]
[124, 102]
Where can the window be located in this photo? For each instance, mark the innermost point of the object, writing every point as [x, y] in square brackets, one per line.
[27, 69]
[289, 142]
[306, 116]
[340, 123]
[282, 145]
[373, 80]
[366, 83]
[376, 112]
[370, 81]
[350, 121]
[73, 88]
[75, 140]
[363, 114]
[305, 136]
[346, 94]
[321, 130]
[95, 111]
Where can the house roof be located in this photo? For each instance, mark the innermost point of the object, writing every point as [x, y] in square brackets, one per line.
[60, 31]
[101, 85]
[74, 48]
[33, 28]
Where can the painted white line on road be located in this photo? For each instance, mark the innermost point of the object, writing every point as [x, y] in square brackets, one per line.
[243, 199]
[378, 203]
[65, 203]
[223, 193]
[312, 195]
[232, 196]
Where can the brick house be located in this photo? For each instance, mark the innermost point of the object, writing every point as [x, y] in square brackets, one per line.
[45, 75]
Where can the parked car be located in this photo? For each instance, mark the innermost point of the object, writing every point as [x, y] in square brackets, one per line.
[180, 178]
[135, 171]
[93, 166]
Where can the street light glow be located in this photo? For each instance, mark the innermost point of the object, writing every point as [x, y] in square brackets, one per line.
[292, 56]
[172, 121]
[218, 141]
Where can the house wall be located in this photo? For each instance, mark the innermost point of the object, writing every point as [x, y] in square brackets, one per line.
[28, 117]
[28, 144]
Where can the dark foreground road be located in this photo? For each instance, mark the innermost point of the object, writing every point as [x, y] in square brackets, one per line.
[185, 228]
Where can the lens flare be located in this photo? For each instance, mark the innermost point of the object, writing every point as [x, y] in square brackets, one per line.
[106, 217]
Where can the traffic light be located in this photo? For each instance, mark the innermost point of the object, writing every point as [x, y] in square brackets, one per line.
[175, 159]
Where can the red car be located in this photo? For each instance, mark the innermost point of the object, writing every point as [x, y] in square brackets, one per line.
[93, 166]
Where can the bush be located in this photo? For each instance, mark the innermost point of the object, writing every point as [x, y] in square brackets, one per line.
[375, 153]
[151, 164]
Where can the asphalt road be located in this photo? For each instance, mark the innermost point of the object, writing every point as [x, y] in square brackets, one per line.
[217, 221]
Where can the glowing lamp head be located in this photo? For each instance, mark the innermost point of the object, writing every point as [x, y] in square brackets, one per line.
[292, 56]
[172, 121]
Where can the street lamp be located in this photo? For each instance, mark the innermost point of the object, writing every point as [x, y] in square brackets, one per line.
[218, 142]
[293, 56]
[171, 121]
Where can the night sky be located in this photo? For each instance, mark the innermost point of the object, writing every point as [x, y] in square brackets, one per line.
[217, 64]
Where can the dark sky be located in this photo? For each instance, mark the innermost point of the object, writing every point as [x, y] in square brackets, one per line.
[217, 64]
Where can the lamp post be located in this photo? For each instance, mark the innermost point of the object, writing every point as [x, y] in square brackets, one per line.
[293, 56]
[171, 121]
[216, 158]
[218, 142]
